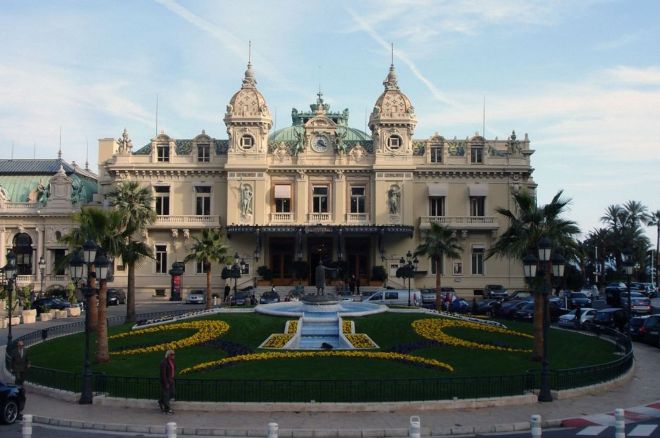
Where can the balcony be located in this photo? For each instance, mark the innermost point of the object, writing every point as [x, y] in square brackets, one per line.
[460, 222]
[357, 218]
[186, 221]
[281, 218]
[319, 218]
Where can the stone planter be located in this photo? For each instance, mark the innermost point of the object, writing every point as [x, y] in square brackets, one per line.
[29, 316]
[3, 322]
[61, 314]
[74, 311]
[45, 316]
[15, 320]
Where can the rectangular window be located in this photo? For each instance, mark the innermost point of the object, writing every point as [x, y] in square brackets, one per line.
[203, 153]
[320, 200]
[163, 152]
[282, 198]
[202, 200]
[477, 206]
[161, 259]
[433, 270]
[436, 206]
[199, 268]
[358, 200]
[162, 200]
[476, 154]
[477, 261]
[436, 154]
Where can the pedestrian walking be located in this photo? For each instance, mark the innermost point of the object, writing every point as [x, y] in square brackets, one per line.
[225, 298]
[351, 284]
[167, 372]
[20, 363]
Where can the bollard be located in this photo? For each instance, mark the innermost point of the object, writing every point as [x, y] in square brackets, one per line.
[535, 426]
[619, 424]
[215, 301]
[27, 426]
[415, 427]
[273, 430]
[170, 429]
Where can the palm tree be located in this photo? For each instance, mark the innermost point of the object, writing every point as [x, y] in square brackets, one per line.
[209, 247]
[134, 203]
[526, 227]
[438, 241]
[103, 227]
[653, 220]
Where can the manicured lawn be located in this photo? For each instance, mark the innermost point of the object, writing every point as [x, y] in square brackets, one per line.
[391, 331]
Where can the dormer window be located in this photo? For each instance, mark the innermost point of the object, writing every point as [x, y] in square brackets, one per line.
[477, 154]
[436, 154]
[203, 153]
[163, 152]
[247, 142]
[394, 142]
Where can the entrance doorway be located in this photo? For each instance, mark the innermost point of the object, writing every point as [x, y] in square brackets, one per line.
[281, 251]
[318, 248]
[357, 253]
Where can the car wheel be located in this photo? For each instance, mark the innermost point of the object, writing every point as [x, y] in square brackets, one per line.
[9, 412]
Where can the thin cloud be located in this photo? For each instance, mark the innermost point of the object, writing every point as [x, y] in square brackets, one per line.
[435, 92]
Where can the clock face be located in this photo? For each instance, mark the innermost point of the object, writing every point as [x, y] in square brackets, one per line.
[320, 143]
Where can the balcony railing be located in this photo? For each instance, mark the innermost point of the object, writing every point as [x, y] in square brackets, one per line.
[186, 220]
[315, 218]
[464, 222]
[357, 218]
[281, 218]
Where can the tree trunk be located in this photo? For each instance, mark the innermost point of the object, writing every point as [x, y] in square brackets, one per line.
[208, 303]
[102, 354]
[438, 285]
[130, 293]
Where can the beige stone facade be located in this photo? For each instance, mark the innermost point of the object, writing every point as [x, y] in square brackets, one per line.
[322, 190]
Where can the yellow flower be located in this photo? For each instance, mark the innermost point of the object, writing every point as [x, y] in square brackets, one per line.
[433, 329]
[206, 330]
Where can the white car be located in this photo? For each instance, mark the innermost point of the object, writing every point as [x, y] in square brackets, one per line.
[568, 320]
[196, 296]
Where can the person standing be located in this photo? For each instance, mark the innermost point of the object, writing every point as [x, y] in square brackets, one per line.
[167, 371]
[351, 284]
[20, 363]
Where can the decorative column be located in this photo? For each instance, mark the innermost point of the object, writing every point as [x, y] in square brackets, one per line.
[40, 251]
[3, 246]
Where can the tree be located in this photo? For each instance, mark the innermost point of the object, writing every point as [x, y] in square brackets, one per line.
[134, 203]
[438, 241]
[526, 227]
[209, 247]
[653, 220]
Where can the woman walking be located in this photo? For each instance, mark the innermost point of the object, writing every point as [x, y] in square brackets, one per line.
[167, 371]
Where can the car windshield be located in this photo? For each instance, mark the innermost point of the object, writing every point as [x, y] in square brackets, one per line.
[578, 295]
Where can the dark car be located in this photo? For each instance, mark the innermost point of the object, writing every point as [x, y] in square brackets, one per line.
[495, 291]
[116, 296]
[47, 303]
[240, 298]
[635, 326]
[613, 294]
[613, 317]
[269, 297]
[459, 305]
[428, 295]
[650, 331]
[12, 401]
[576, 299]
[509, 308]
[519, 295]
[526, 312]
[488, 307]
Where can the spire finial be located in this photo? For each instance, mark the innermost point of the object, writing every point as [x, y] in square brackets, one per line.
[392, 45]
[248, 80]
[59, 153]
[249, 52]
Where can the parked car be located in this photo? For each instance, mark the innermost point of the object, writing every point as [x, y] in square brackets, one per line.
[495, 291]
[269, 297]
[459, 305]
[635, 326]
[613, 295]
[526, 312]
[240, 298]
[12, 402]
[650, 331]
[116, 296]
[398, 297]
[640, 306]
[47, 303]
[488, 307]
[196, 296]
[576, 299]
[428, 295]
[508, 308]
[568, 319]
[520, 295]
[613, 317]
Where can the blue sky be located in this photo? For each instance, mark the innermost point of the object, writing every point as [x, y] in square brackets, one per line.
[581, 78]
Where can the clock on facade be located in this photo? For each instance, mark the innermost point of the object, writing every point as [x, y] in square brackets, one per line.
[320, 143]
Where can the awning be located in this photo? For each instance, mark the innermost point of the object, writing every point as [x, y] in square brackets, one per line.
[437, 189]
[282, 192]
[478, 189]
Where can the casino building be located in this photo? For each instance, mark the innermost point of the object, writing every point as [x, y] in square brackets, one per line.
[321, 189]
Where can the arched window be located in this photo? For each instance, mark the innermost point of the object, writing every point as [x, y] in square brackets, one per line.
[23, 251]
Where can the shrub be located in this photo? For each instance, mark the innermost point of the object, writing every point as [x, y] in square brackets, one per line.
[378, 273]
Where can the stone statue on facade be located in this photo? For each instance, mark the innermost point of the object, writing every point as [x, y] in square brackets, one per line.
[246, 200]
[394, 200]
[125, 145]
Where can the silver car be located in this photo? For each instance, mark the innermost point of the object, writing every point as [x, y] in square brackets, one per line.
[196, 296]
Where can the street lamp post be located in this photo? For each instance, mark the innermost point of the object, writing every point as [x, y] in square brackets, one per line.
[545, 267]
[42, 272]
[628, 265]
[10, 274]
[407, 268]
[78, 265]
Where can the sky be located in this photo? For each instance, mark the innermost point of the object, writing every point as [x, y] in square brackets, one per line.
[582, 79]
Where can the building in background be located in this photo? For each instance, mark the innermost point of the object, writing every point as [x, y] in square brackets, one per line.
[322, 190]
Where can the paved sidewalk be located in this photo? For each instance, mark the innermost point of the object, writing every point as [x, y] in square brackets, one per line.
[640, 389]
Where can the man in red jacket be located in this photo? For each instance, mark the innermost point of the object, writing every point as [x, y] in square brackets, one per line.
[167, 371]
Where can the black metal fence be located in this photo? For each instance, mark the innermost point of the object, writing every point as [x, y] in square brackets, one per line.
[335, 391]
